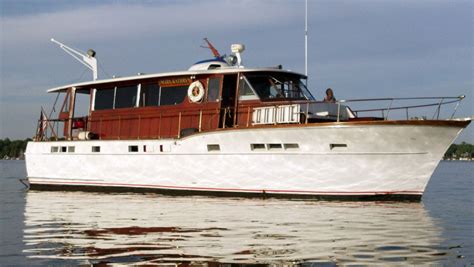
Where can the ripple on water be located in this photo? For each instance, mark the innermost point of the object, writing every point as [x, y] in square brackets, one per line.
[135, 228]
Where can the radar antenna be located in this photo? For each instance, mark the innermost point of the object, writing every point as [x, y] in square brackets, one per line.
[87, 60]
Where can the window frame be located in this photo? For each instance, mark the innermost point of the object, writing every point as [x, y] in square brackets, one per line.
[136, 96]
[140, 100]
[255, 96]
[172, 86]
[219, 89]
[303, 90]
[135, 105]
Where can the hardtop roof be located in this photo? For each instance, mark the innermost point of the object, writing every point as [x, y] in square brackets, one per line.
[165, 74]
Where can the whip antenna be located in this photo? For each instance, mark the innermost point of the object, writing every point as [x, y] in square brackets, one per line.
[306, 38]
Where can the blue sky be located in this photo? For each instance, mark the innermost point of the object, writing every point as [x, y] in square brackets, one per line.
[360, 48]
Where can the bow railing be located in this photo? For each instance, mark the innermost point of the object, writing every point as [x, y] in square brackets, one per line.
[437, 102]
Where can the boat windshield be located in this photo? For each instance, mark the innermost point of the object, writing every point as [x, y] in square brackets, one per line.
[279, 86]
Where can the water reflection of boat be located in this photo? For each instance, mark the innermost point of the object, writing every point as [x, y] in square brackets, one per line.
[132, 228]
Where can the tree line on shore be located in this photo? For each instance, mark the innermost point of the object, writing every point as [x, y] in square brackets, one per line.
[16, 149]
[12, 149]
[460, 151]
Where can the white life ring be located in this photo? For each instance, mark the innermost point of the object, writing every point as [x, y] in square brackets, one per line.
[196, 92]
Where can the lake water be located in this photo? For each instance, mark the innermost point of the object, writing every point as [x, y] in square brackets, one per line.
[79, 228]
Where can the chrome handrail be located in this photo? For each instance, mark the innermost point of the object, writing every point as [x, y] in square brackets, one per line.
[441, 102]
[46, 124]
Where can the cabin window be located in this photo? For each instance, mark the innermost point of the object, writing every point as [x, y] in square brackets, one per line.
[291, 146]
[274, 146]
[213, 147]
[149, 95]
[126, 96]
[54, 149]
[279, 86]
[104, 99]
[245, 90]
[71, 149]
[132, 148]
[213, 87]
[63, 149]
[257, 146]
[173, 95]
[337, 146]
[96, 149]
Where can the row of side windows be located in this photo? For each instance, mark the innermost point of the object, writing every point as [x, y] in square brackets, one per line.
[148, 148]
[63, 149]
[96, 149]
[70, 149]
[257, 147]
[151, 94]
[210, 147]
[274, 146]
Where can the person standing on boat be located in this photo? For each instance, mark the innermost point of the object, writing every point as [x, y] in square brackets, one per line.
[329, 98]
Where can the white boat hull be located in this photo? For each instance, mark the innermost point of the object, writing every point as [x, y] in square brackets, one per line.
[330, 160]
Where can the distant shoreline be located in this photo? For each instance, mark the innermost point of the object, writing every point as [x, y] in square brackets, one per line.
[11, 159]
[15, 150]
[462, 160]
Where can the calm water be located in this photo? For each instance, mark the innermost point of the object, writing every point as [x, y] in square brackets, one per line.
[71, 228]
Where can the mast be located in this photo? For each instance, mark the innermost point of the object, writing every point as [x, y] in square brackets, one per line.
[306, 38]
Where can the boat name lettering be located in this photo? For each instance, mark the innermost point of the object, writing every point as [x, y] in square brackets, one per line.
[176, 81]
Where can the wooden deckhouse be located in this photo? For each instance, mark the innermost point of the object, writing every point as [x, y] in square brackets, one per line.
[161, 106]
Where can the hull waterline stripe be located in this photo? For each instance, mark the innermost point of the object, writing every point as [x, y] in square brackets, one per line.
[230, 189]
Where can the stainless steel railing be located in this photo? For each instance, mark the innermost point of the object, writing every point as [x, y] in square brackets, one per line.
[385, 111]
[48, 129]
